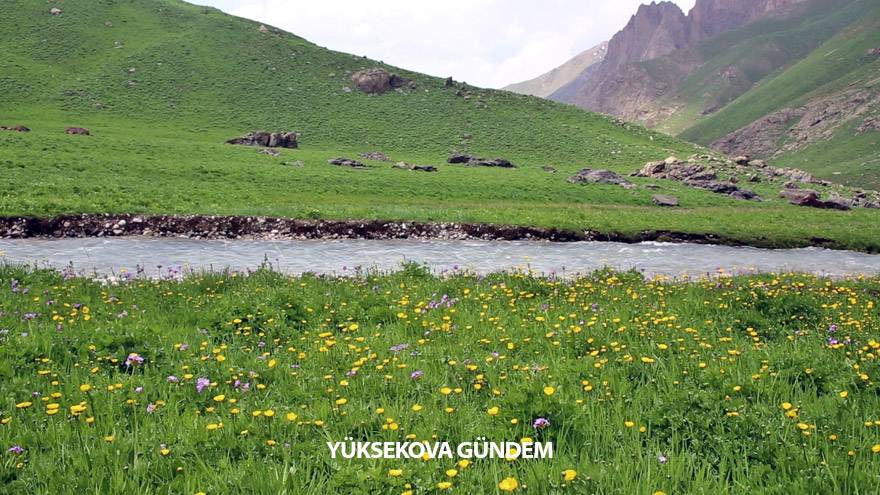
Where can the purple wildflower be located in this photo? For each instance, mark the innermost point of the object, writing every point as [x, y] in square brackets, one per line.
[16, 449]
[133, 359]
[151, 408]
[415, 375]
[399, 347]
[202, 383]
[662, 459]
[172, 379]
[541, 423]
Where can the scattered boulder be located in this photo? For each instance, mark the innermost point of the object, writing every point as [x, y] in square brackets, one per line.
[267, 139]
[871, 123]
[377, 81]
[55, 11]
[757, 163]
[664, 200]
[415, 168]
[78, 131]
[460, 158]
[674, 169]
[695, 175]
[269, 151]
[741, 160]
[549, 169]
[18, 128]
[375, 155]
[296, 163]
[745, 194]
[599, 176]
[811, 198]
[872, 52]
[263, 29]
[346, 162]
[480, 162]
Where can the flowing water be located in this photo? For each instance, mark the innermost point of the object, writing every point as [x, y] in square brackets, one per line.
[157, 256]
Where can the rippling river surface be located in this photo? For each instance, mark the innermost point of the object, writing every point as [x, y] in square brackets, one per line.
[157, 256]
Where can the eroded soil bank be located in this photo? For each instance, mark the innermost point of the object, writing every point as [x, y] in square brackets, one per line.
[246, 227]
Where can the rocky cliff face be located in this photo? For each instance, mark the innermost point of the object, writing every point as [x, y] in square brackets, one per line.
[656, 30]
[624, 87]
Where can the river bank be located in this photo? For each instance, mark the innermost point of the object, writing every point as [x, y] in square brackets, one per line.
[272, 228]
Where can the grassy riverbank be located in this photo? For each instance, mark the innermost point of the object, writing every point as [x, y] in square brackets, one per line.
[751, 384]
[144, 171]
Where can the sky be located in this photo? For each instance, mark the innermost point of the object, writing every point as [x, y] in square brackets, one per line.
[488, 43]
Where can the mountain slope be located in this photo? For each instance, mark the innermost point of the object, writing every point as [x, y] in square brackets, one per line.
[549, 82]
[784, 59]
[629, 81]
[820, 114]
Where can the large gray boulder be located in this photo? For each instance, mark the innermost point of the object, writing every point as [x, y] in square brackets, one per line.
[267, 139]
[811, 198]
[480, 162]
[376, 81]
[664, 200]
[599, 176]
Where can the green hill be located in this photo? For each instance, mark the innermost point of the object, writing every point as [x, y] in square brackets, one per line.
[161, 85]
[170, 64]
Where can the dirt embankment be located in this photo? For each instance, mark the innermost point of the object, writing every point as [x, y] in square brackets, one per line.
[230, 227]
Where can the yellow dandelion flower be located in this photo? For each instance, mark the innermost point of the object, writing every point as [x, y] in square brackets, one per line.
[508, 484]
[549, 390]
[569, 474]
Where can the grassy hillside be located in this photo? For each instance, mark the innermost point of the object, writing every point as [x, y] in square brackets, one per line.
[184, 68]
[162, 84]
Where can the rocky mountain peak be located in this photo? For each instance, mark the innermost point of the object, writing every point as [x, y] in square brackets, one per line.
[656, 29]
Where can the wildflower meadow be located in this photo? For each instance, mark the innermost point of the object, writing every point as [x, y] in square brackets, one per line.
[236, 382]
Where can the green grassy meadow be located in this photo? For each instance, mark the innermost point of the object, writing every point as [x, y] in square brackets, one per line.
[758, 384]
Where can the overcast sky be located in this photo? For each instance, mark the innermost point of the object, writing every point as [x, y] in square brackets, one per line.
[487, 43]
